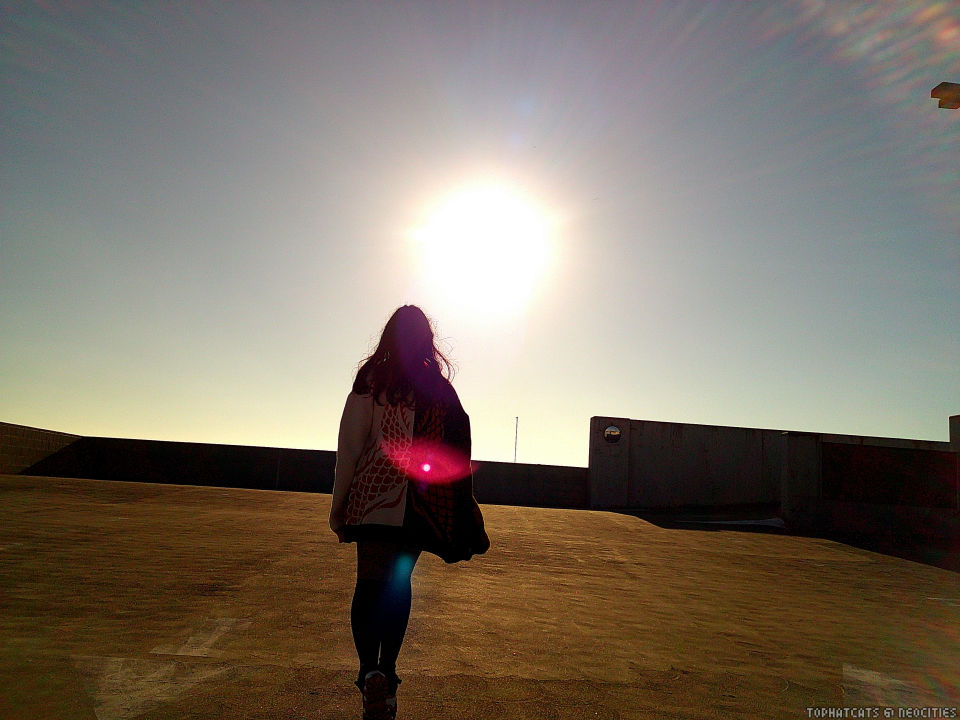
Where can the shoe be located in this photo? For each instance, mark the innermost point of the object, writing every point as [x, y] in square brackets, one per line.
[375, 696]
[393, 682]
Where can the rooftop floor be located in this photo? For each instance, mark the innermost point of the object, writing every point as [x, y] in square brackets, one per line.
[127, 600]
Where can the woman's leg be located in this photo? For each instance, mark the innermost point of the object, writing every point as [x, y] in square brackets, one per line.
[395, 613]
[363, 619]
[381, 605]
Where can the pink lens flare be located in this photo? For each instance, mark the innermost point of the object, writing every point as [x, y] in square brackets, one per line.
[430, 461]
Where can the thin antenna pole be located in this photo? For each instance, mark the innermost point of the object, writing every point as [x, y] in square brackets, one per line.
[516, 435]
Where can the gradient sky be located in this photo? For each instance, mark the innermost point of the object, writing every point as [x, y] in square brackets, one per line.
[209, 209]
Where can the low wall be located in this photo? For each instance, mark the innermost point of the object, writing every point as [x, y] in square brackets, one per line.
[268, 468]
[922, 534]
[184, 463]
[643, 464]
[890, 495]
[670, 465]
[552, 486]
[21, 446]
[905, 476]
[936, 527]
[649, 465]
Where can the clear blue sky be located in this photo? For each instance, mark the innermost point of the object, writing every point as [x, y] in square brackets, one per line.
[749, 214]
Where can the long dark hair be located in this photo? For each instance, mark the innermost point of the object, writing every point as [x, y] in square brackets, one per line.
[406, 367]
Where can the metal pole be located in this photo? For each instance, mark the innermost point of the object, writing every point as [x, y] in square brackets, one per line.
[516, 435]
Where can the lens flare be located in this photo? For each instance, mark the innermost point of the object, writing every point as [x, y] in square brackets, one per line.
[900, 49]
[430, 462]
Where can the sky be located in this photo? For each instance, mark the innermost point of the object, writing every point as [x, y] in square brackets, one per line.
[727, 213]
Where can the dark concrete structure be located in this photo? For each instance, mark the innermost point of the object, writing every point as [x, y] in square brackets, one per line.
[659, 465]
[546, 486]
[156, 461]
[40, 452]
[22, 446]
[896, 495]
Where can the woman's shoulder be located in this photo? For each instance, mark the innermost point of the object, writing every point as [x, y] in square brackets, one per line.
[358, 404]
[440, 392]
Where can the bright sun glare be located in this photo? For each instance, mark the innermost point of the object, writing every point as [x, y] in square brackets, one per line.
[484, 249]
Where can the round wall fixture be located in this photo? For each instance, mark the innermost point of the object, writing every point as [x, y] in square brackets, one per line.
[611, 434]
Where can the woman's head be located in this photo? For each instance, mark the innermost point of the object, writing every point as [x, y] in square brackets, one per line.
[406, 364]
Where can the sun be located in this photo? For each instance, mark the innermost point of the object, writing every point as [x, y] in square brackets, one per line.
[484, 249]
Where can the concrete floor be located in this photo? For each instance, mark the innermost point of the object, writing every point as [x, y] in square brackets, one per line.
[122, 600]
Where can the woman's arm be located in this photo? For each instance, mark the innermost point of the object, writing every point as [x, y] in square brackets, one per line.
[354, 430]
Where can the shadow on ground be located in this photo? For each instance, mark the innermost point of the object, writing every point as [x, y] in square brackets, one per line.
[943, 553]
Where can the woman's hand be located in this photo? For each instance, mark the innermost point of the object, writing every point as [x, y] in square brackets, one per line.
[337, 524]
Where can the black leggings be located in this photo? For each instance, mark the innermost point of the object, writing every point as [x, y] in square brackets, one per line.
[381, 605]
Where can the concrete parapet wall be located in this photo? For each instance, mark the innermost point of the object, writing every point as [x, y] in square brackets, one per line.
[892, 495]
[610, 463]
[183, 463]
[548, 486]
[662, 465]
[885, 442]
[889, 474]
[268, 468]
[22, 446]
[701, 465]
[935, 526]
[800, 478]
[643, 464]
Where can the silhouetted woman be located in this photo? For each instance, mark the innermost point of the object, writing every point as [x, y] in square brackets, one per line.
[403, 485]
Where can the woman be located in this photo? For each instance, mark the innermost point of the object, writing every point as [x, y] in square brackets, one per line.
[402, 485]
